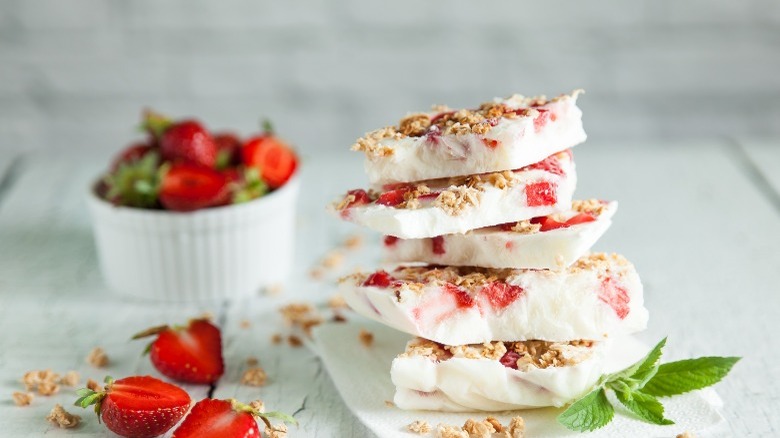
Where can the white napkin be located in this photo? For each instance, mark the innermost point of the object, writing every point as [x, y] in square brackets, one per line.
[362, 376]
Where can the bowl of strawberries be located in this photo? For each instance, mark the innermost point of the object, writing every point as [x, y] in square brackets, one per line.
[191, 215]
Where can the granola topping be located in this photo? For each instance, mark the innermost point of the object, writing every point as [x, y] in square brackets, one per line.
[371, 145]
[62, 418]
[593, 206]
[526, 227]
[457, 199]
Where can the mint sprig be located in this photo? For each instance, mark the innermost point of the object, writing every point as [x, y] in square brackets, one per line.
[638, 386]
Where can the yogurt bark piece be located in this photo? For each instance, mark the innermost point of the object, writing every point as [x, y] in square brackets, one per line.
[459, 204]
[597, 297]
[498, 376]
[549, 242]
[500, 135]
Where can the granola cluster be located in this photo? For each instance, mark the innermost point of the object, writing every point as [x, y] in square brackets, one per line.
[526, 227]
[600, 261]
[468, 277]
[301, 315]
[592, 206]
[63, 418]
[472, 428]
[531, 354]
[457, 199]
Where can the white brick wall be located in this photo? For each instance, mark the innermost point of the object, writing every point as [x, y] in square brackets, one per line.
[77, 72]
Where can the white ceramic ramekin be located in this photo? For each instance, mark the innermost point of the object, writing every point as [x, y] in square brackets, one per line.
[206, 255]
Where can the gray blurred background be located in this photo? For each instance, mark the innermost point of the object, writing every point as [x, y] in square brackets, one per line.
[76, 73]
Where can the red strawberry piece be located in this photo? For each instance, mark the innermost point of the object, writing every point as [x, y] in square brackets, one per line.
[379, 279]
[580, 218]
[228, 149]
[541, 119]
[273, 158]
[509, 359]
[190, 354]
[188, 141]
[188, 187]
[361, 198]
[541, 193]
[392, 197]
[131, 154]
[462, 298]
[437, 244]
[550, 164]
[138, 407]
[490, 143]
[500, 295]
[616, 296]
[211, 418]
[390, 240]
[547, 223]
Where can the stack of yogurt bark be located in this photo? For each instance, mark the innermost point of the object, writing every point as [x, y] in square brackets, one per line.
[492, 272]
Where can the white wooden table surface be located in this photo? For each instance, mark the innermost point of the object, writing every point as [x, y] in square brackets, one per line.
[701, 221]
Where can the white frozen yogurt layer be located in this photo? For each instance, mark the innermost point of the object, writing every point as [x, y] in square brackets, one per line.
[501, 135]
[550, 242]
[501, 376]
[597, 297]
[456, 205]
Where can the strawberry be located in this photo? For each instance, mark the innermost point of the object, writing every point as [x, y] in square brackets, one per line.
[190, 354]
[271, 156]
[138, 407]
[187, 187]
[228, 149]
[541, 193]
[188, 141]
[392, 197]
[379, 279]
[581, 218]
[131, 154]
[135, 182]
[225, 419]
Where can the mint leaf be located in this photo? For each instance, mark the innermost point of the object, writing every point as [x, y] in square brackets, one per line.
[643, 367]
[644, 406]
[588, 413]
[679, 377]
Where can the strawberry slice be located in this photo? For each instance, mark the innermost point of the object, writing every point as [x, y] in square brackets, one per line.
[188, 141]
[541, 193]
[274, 159]
[139, 406]
[581, 218]
[392, 198]
[188, 187]
[379, 279]
[190, 354]
[225, 419]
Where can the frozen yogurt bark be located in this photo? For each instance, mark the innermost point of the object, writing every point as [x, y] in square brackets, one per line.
[503, 134]
[597, 297]
[499, 376]
[459, 204]
[549, 242]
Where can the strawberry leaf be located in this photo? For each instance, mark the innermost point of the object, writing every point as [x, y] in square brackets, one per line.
[280, 416]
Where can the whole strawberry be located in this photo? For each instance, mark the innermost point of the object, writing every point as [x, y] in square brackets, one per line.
[138, 407]
[225, 419]
[191, 353]
[188, 141]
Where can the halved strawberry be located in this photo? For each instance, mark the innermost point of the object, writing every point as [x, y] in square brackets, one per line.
[138, 407]
[190, 354]
[188, 141]
[225, 419]
[272, 157]
[188, 187]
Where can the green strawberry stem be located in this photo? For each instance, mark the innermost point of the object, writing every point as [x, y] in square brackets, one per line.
[243, 407]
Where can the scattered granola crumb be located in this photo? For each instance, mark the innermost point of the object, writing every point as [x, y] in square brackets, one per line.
[254, 376]
[338, 317]
[294, 341]
[333, 259]
[686, 434]
[94, 385]
[478, 429]
[97, 358]
[301, 315]
[252, 361]
[353, 241]
[448, 431]
[366, 338]
[495, 423]
[516, 427]
[389, 404]
[257, 405]
[274, 289]
[62, 418]
[337, 302]
[48, 388]
[245, 324]
[276, 338]
[316, 273]
[276, 431]
[71, 378]
[22, 398]
[419, 427]
[33, 379]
